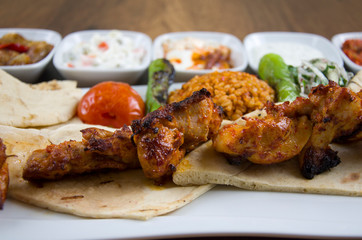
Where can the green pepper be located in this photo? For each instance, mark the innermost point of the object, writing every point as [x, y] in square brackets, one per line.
[276, 73]
[161, 75]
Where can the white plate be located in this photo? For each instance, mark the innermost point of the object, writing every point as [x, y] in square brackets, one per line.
[223, 211]
[226, 211]
[88, 77]
[338, 41]
[30, 72]
[238, 54]
[255, 41]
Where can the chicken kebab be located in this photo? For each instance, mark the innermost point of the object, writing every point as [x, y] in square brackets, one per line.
[303, 128]
[156, 142]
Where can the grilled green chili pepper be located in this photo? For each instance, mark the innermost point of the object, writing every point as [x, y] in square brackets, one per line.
[275, 72]
[161, 75]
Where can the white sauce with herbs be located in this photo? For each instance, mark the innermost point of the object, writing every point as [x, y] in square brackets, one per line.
[114, 50]
[292, 53]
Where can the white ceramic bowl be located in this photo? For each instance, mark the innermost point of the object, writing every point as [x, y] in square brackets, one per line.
[254, 42]
[89, 76]
[238, 54]
[30, 72]
[338, 41]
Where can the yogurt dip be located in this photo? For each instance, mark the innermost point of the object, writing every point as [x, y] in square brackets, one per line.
[110, 51]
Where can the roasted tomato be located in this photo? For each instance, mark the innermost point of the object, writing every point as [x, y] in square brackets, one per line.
[111, 104]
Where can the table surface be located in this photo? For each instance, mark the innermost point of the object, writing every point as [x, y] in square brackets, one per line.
[237, 17]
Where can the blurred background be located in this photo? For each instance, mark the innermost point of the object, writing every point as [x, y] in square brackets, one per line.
[156, 17]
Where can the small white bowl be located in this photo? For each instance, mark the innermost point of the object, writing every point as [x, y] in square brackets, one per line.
[89, 76]
[338, 41]
[255, 44]
[30, 73]
[238, 54]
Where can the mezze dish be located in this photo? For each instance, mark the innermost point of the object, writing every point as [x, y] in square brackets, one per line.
[93, 56]
[25, 52]
[351, 42]
[17, 50]
[293, 47]
[196, 53]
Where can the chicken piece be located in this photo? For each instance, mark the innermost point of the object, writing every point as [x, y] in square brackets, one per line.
[4, 174]
[277, 137]
[336, 116]
[304, 127]
[164, 136]
[100, 149]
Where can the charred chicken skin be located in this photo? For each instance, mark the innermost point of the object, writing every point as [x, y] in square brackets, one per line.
[4, 174]
[100, 149]
[336, 116]
[165, 135]
[277, 137]
[303, 128]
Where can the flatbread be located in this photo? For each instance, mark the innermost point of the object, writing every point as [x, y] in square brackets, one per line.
[206, 166]
[126, 194]
[24, 105]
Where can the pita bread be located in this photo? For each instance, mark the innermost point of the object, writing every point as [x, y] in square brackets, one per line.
[25, 105]
[206, 166]
[126, 194]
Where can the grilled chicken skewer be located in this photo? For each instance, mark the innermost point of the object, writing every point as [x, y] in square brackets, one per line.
[273, 138]
[165, 135]
[336, 116]
[100, 149]
[157, 144]
[304, 127]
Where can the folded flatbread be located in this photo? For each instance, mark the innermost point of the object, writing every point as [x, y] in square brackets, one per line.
[126, 194]
[206, 166]
[36, 105]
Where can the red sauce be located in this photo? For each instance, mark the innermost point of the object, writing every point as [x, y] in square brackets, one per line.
[353, 49]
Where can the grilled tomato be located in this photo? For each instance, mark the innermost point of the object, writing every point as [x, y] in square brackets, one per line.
[111, 104]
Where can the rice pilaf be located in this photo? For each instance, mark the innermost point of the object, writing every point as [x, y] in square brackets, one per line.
[237, 93]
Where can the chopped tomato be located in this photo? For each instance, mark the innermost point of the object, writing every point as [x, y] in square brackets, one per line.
[112, 104]
[353, 49]
[103, 46]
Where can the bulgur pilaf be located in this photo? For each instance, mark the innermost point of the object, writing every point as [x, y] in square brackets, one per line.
[237, 93]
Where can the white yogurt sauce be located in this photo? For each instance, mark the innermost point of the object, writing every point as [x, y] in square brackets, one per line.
[292, 53]
[114, 50]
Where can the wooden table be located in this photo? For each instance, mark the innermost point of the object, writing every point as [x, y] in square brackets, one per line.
[155, 17]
